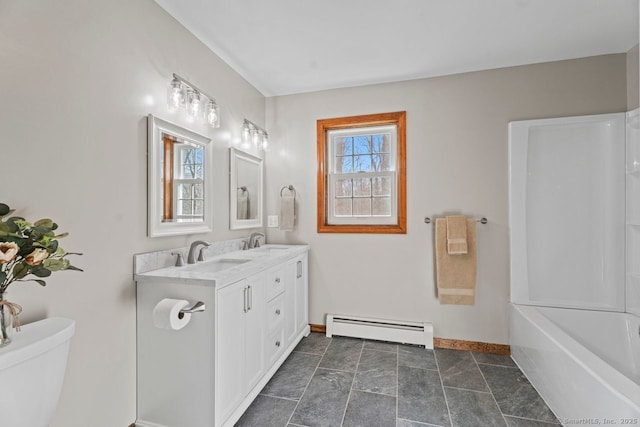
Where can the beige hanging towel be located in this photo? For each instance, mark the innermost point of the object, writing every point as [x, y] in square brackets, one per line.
[457, 235]
[243, 206]
[455, 274]
[287, 212]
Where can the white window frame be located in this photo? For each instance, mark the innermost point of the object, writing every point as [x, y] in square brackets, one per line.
[333, 176]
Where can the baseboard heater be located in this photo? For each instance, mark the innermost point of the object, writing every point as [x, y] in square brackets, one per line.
[420, 333]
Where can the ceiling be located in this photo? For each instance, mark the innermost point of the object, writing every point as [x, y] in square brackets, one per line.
[291, 46]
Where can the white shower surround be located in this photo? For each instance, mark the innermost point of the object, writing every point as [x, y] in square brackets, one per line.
[567, 211]
[568, 330]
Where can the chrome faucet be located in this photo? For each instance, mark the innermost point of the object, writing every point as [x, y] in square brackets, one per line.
[179, 259]
[254, 242]
[191, 258]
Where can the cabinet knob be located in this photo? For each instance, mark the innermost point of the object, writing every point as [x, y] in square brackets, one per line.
[277, 280]
[278, 311]
[277, 343]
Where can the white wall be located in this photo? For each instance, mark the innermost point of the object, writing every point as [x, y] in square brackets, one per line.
[456, 162]
[77, 80]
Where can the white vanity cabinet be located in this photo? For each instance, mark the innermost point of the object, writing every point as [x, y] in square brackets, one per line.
[209, 372]
[239, 339]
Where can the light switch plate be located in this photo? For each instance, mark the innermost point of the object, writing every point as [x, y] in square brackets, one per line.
[272, 221]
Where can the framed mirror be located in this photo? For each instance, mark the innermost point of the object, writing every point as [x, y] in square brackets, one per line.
[179, 180]
[246, 181]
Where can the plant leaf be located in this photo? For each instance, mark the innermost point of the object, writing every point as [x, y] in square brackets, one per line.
[20, 270]
[53, 264]
[40, 271]
[11, 223]
[4, 210]
[46, 223]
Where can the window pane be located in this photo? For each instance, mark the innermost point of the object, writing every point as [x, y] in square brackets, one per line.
[186, 207]
[185, 191]
[381, 162]
[187, 155]
[362, 144]
[362, 207]
[188, 171]
[362, 163]
[199, 207]
[199, 172]
[343, 188]
[381, 186]
[198, 191]
[343, 146]
[342, 207]
[344, 164]
[381, 143]
[382, 206]
[199, 155]
[362, 187]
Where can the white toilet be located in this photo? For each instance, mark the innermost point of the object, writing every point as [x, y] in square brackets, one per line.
[32, 370]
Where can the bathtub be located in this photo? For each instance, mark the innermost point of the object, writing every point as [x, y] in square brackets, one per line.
[584, 363]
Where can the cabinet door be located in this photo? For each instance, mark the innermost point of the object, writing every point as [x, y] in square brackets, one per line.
[302, 289]
[290, 327]
[255, 330]
[230, 343]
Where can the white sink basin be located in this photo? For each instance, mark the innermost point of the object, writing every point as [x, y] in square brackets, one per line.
[216, 265]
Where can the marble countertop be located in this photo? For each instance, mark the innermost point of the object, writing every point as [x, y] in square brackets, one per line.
[240, 264]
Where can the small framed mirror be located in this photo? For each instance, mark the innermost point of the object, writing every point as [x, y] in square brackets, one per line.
[245, 201]
[179, 180]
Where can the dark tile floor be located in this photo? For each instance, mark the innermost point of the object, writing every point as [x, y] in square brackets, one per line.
[346, 382]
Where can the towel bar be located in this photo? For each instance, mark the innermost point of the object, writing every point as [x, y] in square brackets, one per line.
[482, 220]
[290, 188]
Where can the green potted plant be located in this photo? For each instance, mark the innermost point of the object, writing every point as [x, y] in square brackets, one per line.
[28, 252]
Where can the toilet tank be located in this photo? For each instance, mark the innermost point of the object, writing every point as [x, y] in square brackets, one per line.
[32, 371]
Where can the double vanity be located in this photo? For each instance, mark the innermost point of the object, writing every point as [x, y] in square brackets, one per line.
[209, 372]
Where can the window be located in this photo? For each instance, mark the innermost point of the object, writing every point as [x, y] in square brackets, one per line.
[361, 174]
[182, 180]
[188, 182]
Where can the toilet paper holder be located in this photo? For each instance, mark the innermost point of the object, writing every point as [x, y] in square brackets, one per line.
[199, 306]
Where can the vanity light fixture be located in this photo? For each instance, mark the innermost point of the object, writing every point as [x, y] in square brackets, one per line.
[254, 134]
[176, 98]
[184, 94]
[212, 114]
[193, 102]
[246, 132]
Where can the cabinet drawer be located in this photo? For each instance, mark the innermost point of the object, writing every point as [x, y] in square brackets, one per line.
[275, 312]
[275, 282]
[274, 346]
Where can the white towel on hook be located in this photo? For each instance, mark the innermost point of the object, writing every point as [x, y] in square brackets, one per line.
[287, 212]
[243, 207]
